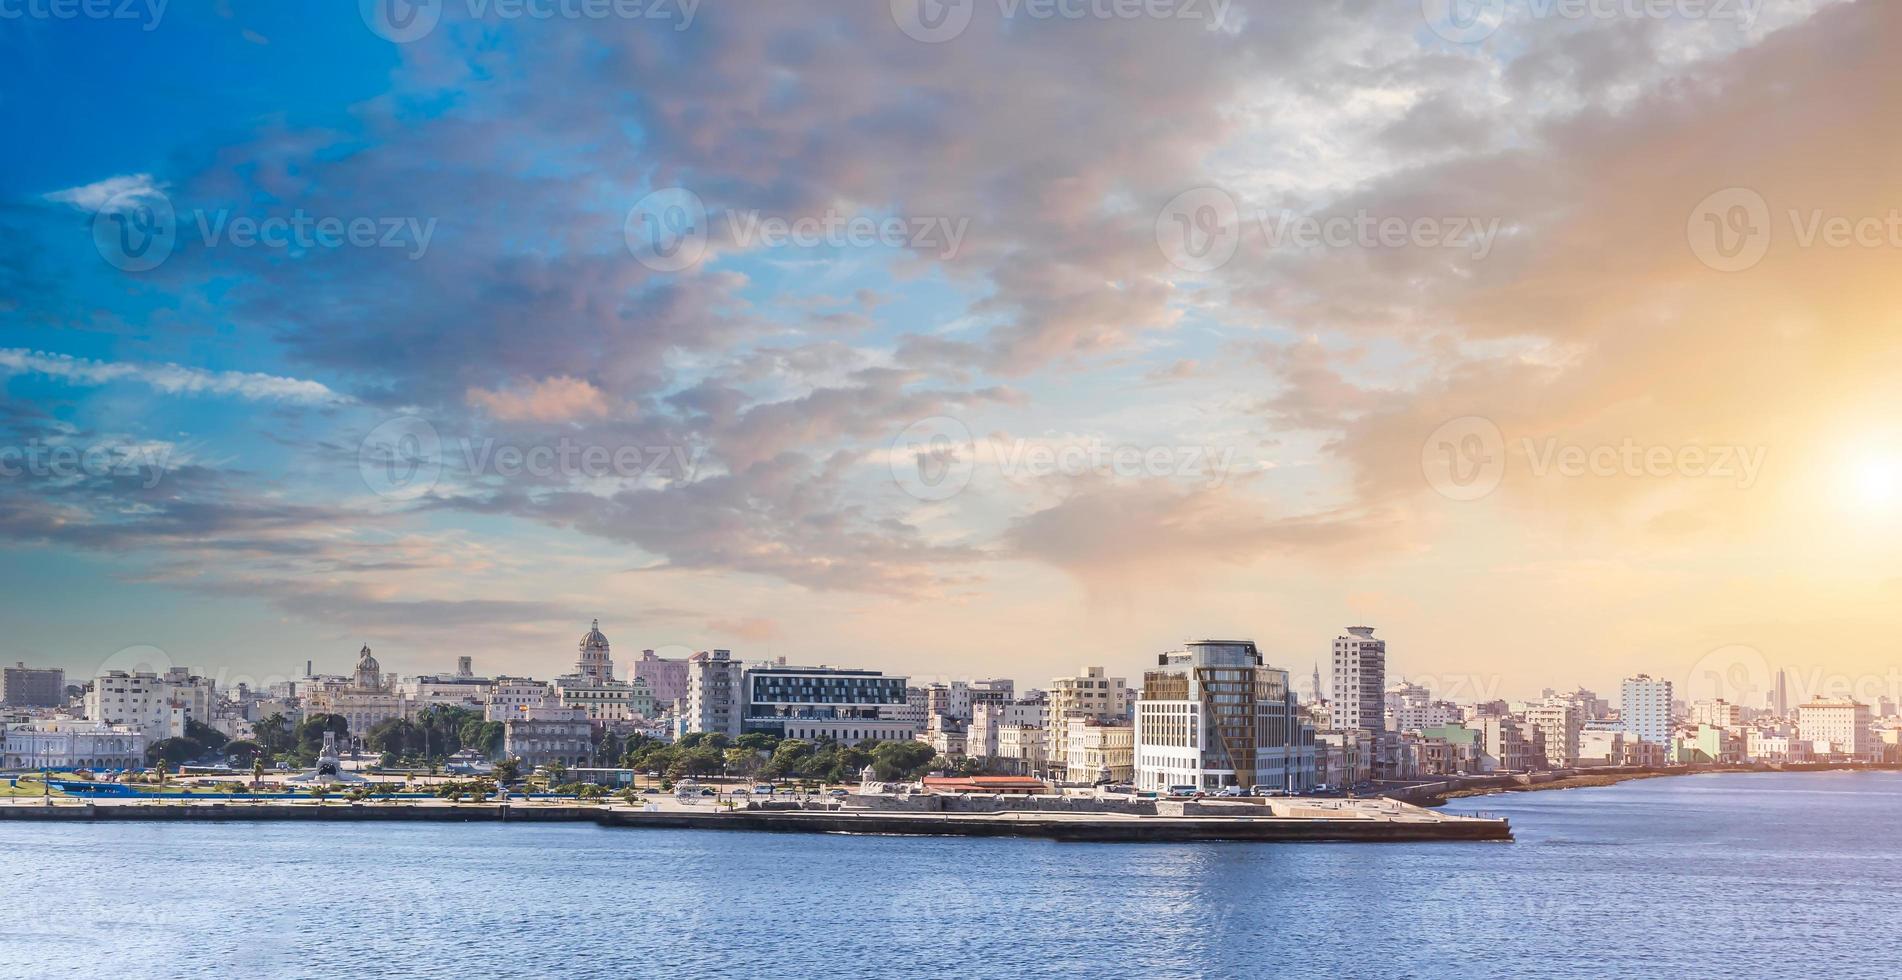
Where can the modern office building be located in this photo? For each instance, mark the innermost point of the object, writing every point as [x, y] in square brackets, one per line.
[1360, 680]
[1645, 709]
[1213, 714]
[823, 703]
[32, 687]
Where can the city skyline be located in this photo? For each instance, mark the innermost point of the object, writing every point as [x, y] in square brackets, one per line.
[1557, 362]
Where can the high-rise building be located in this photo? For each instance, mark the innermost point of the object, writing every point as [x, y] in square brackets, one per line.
[32, 687]
[666, 679]
[714, 693]
[1213, 714]
[1645, 709]
[1090, 694]
[1360, 680]
[1780, 696]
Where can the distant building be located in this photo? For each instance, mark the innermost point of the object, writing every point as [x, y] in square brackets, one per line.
[1505, 745]
[714, 694]
[509, 696]
[1100, 751]
[1213, 715]
[1090, 694]
[666, 679]
[68, 744]
[1718, 712]
[823, 703]
[543, 736]
[158, 705]
[365, 700]
[1646, 710]
[1600, 747]
[1839, 727]
[1555, 725]
[32, 687]
[1360, 680]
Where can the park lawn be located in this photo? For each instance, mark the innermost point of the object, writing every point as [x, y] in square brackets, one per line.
[25, 788]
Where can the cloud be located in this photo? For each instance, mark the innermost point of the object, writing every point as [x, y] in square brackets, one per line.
[126, 189]
[559, 399]
[171, 379]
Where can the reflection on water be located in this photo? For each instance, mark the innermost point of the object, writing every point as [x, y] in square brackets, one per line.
[1754, 875]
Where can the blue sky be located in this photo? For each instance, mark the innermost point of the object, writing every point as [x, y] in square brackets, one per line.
[1142, 444]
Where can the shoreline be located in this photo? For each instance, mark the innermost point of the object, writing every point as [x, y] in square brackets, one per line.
[1435, 795]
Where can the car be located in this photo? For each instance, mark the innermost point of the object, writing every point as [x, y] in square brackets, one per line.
[738, 792]
[1232, 791]
[839, 793]
[650, 791]
[1183, 791]
[708, 792]
[763, 790]
[1259, 790]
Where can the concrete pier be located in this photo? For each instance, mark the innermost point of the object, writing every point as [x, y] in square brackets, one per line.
[1367, 821]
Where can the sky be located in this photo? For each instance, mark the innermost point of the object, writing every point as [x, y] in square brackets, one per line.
[958, 338]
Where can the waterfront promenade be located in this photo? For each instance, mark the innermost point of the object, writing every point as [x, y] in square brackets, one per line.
[1279, 820]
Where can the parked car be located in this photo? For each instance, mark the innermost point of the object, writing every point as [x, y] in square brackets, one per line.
[763, 790]
[1183, 791]
[1232, 791]
[839, 793]
[1259, 790]
[708, 792]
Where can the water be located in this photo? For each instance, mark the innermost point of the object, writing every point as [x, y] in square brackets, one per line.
[1769, 875]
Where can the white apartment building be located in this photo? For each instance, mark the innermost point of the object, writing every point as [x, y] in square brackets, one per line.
[1213, 715]
[1099, 751]
[715, 701]
[1360, 680]
[1020, 749]
[1556, 725]
[1838, 726]
[1645, 709]
[158, 705]
[1717, 713]
[510, 696]
[64, 743]
[1411, 707]
[1090, 694]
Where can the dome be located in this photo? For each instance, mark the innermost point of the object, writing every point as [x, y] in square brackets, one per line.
[594, 638]
[365, 661]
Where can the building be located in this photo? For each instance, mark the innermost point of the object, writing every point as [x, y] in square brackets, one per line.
[823, 704]
[545, 736]
[1020, 750]
[1504, 745]
[715, 682]
[989, 719]
[1214, 715]
[364, 700]
[1555, 726]
[64, 743]
[666, 679]
[1090, 694]
[1718, 712]
[1360, 680]
[509, 696]
[1646, 712]
[1839, 727]
[158, 705]
[1100, 751]
[1410, 707]
[1600, 747]
[592, 688]
[32, 687]
[1708, 744]
[1448, 749]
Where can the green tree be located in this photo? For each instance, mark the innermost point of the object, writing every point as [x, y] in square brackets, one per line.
[205, 735]
[508, 771]
[173, 752]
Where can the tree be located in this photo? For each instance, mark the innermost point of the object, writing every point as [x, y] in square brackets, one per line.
[508, 771]
[205, 735]
[900, 760]
[274, 735]
[242, 753]
[172, 752]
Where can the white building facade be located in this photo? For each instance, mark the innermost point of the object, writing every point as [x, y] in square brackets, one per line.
[1214, 715]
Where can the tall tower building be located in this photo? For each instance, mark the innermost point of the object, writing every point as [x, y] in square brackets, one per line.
[595, 663]
[1646, 710]
[1360, 680]
[1780, 699]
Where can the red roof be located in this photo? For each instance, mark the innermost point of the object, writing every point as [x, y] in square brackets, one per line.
[985, 784]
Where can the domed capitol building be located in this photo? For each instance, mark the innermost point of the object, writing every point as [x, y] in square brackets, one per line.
[365, 699]
[592, 686]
